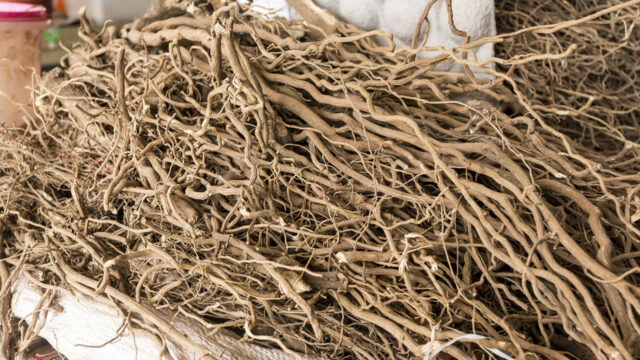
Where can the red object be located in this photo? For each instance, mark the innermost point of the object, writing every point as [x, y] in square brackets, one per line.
[41, 357]
[46, 356]
[13, 11]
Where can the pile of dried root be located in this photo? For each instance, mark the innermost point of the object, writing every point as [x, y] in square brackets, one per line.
[591, 94]
[327, 195]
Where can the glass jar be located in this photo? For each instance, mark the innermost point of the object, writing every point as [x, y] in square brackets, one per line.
[21, 27]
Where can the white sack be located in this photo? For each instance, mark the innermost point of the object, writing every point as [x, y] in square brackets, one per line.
[79, 320]
[399, 17]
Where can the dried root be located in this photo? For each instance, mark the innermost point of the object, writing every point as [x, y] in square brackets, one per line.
[330, 196]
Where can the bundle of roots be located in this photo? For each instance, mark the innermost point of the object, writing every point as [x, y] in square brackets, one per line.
[328, 195]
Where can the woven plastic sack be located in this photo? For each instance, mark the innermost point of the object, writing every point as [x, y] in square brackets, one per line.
[475, 17]
[84, 328]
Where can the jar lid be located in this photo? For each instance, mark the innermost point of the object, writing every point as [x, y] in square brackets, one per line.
[12, 11]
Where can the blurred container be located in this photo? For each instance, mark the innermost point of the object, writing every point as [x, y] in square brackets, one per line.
[20, 33]
[46, 3]
[99, 11]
